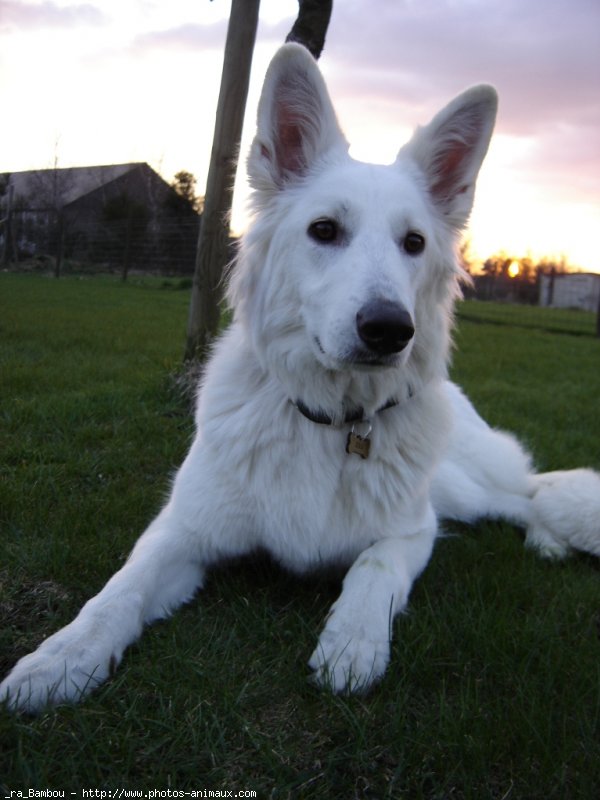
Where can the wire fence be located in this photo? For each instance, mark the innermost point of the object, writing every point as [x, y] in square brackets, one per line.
[37, 240]
[575, 294]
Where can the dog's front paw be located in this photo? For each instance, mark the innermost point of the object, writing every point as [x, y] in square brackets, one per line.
[348, 660]
[64, 668]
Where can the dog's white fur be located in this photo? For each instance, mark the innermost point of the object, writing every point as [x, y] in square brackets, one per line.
[259, 473]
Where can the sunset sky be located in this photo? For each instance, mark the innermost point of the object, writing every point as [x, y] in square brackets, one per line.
[114, 81]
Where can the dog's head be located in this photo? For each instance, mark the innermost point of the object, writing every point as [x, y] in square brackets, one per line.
[348, 270]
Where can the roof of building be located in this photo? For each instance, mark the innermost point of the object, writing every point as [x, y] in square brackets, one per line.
[59, 187]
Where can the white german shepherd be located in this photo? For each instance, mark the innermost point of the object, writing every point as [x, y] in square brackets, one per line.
[326, 429]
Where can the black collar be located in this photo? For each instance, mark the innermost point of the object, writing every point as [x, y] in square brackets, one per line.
[358, 415]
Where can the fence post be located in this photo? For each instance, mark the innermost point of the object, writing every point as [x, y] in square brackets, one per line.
[127, 249]
[7, 225]
[551, 282]
[60, 236]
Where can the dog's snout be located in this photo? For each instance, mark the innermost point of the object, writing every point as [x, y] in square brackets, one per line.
[384, 326]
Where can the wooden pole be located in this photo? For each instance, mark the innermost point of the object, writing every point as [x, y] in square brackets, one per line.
[213, 240]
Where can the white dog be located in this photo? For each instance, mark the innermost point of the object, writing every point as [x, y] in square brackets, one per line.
[325, 424]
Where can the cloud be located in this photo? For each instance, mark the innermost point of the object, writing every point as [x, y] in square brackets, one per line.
[18, 15]
[184, 37]
[566, 159]
[543, 55]
[193, 37]
[404, 59]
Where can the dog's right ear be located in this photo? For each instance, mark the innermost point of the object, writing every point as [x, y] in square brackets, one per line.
[296, 123]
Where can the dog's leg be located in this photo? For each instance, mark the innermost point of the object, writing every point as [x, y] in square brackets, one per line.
[484, 472]
[354, 648]
[164, 570]
[487, 473]
[158, 576]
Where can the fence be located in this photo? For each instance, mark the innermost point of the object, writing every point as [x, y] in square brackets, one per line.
[545, 287]
[50, 240]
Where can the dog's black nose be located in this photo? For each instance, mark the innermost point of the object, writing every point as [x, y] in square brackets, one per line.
[385, 327]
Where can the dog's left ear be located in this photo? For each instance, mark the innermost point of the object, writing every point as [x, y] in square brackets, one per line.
[296, 123]
[451, 149]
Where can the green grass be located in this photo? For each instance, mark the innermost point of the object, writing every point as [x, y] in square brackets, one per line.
[494, 685]
[563, 320]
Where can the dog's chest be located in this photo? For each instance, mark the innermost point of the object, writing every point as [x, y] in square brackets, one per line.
[318, 502]
[293, 484]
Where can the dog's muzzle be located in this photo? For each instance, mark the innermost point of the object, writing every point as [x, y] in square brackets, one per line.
[384, 327]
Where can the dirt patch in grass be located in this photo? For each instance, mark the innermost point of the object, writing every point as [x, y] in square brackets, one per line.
[23, 603]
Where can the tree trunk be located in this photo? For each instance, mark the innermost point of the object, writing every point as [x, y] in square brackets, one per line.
[311, 26]
[213, 240]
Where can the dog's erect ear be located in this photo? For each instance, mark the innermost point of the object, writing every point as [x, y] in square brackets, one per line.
[451, 149]
[296, 122]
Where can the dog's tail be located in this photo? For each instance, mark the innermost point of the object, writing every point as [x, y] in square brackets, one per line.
[565, 513]
[487, 473]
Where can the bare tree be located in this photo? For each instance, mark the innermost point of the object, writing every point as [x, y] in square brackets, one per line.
[6, 231]
[44, 196]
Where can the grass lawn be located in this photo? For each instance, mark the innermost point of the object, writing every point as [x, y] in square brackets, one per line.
[494, 686]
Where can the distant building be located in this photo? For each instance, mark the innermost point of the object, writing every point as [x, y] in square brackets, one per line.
[119, 216]
[571, 290]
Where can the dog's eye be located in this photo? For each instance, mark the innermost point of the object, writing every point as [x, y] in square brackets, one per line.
[324, 230]
[413, 243]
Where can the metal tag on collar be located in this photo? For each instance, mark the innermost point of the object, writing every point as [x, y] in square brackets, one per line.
[359, 445]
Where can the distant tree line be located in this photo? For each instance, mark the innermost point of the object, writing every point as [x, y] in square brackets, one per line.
[510, 278]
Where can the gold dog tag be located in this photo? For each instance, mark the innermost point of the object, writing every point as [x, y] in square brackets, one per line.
[358, 445]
